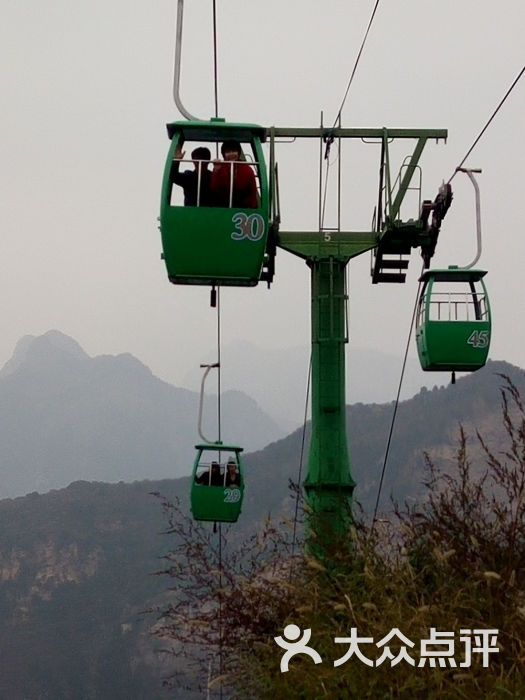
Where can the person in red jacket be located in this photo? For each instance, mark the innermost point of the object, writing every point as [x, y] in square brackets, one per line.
[232, 181]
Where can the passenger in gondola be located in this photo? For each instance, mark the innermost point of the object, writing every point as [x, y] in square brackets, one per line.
[232, 475]
[211, 477]
[196, 182]
[233, 180]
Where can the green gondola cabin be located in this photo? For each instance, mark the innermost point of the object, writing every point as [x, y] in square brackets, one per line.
[217, 485]
[216, 234]
[453, 326]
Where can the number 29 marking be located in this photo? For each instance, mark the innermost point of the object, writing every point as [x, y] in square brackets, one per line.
[232, 495]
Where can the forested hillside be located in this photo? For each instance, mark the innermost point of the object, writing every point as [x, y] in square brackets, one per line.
[429, 422]
[77, 565]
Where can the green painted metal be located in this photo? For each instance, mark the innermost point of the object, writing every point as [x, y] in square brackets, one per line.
[199, 249]
[382, 136]
[215, 500]
[329, 483]
[209, 244]
[390, 235]
[360, 133]
[393, 212]
[454, 325]
[313, 245]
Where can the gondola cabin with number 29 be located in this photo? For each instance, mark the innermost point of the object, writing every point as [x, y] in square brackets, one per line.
[217, 486]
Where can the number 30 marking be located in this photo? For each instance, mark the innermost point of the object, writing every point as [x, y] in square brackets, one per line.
[250, 227]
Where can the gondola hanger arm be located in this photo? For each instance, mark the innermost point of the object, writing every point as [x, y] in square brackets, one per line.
[469, 172]
[176, 71]
[201, 402]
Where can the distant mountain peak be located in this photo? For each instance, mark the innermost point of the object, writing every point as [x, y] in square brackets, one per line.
[33, 348]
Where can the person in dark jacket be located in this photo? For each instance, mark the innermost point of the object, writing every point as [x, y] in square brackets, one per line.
[211, 477]
[196, 182]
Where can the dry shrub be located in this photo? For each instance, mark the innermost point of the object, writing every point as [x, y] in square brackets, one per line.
[455, 562]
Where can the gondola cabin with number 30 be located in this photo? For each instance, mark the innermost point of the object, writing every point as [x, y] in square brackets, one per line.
[215, 205]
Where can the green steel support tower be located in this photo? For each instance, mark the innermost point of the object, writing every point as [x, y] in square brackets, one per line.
[329, 483]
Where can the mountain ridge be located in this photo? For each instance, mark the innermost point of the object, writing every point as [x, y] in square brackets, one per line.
[66, 416]
[77, 564]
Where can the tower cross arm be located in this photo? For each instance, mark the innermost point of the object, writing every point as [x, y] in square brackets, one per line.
[361, 133]
[327, 244]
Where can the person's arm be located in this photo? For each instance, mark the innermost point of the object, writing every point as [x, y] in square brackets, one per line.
[203, 478]
[176, 176]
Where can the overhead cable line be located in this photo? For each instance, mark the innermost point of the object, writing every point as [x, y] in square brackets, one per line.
[303, 441]
[511, 88]
[219, 388]
[357, 61]
[220, 612]
[322, 203]
[394, 415]
[216, 301]
[459, 168]
[215, 62]
[329, 140]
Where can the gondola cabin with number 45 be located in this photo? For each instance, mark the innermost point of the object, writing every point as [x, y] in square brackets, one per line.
[217, 486]
[215, 205]
[453, 324]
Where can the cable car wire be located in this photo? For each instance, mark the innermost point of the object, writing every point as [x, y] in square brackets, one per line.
[357, 62]
[220, 610]
[218, 301]
[337, 119]
[458, 169]
[303, 442]
[511, 88]
[394, 415]
[322, 203]
[219, 428]
[219, 432]
[215, 63]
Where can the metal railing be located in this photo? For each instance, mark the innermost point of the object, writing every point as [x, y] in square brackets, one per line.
[455, 306]
[208, 197]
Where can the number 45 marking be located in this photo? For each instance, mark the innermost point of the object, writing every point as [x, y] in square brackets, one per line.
[479, 339]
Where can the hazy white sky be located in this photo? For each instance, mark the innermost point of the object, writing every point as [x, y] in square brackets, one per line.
[87, 90]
